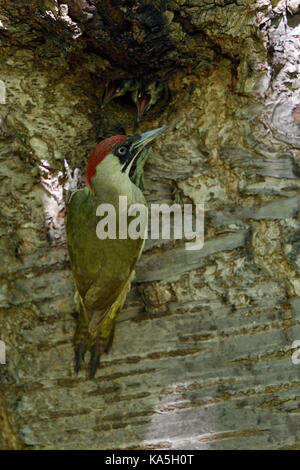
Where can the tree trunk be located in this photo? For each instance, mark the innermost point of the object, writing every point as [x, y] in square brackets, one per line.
[203, 351]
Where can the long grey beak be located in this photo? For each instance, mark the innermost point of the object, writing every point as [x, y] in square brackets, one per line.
[138, 146]
[146, 137]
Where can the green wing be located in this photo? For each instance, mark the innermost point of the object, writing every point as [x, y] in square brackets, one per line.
[102, 269]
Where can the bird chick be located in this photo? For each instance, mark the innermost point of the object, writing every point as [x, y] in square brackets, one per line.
[115, 89]
[146, 95]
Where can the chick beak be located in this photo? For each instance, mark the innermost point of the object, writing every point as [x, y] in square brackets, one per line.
[109, 93]
[142, 103]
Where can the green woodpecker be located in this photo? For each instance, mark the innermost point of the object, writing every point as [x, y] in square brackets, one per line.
[103, 268]
[146, 95]
[116, 88]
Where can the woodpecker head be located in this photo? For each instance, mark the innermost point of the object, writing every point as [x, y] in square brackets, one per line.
[146, 96]
[113, 157]
[114, 89]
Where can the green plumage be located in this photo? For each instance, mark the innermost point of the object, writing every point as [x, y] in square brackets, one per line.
[102, 271]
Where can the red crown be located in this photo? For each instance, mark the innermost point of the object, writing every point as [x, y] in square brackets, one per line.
[99, 152]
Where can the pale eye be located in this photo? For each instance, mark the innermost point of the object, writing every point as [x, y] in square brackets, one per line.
[122, 150]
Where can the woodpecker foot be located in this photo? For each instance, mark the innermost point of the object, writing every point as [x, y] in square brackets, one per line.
[73, 181]
[138, 175]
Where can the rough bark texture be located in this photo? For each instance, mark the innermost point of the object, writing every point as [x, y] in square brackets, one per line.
[202, 352]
